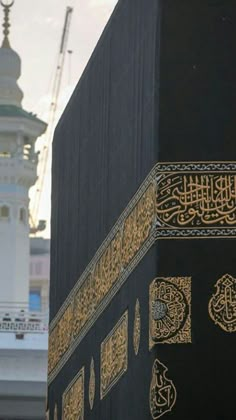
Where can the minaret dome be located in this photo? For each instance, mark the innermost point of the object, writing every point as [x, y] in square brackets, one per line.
[10, 66]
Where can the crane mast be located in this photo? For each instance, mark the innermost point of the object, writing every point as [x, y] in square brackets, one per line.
[39, 225]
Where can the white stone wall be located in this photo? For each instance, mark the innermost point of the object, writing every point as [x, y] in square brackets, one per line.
[14, 245]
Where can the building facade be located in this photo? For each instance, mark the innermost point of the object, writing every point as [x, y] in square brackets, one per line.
[24, 296]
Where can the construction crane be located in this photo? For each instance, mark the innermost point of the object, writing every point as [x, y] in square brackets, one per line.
[40, 225]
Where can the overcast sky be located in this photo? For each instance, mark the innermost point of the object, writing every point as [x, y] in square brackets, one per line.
[36, 34]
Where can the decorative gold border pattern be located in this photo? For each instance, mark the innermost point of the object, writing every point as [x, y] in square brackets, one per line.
[176, 201]
[170, 311]
[114, 356]
[73, 399]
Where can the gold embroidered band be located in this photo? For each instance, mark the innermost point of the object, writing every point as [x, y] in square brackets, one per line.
[176, 201]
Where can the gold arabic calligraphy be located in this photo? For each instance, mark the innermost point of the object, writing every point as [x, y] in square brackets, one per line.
[162, 391]
[119, 252]
[114, 355]
[222, 306]
[178, 200]
[197, 200]
[73, 399]
[170, 310]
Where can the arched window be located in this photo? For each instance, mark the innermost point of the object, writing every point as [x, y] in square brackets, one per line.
[22, 215]
[4, 212]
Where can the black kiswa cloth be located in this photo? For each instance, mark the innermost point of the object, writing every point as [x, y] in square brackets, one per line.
[159, 87]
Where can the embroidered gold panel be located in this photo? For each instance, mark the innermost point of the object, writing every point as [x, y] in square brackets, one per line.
[114, 356]
[60, 337]
[196, 200]
[170, 311]
[162, 391]
[176, 201]
[137, 328]
[222, 305]
[73, 399]
[92, 384]
[110, 265]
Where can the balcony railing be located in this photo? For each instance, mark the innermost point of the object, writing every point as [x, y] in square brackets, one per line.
[23, 322]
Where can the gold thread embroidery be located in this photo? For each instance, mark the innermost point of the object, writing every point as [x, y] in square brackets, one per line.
[114, 356]
[137, 225]
[92, 384]
[170, 310]
[60, 337]
[222, 305]
[73, 399]
[119, 252]
[185, 200]
[162, 391]
[137, 327]
[197, 200]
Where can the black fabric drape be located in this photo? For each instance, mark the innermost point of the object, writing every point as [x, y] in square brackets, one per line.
[197, 111]
[104, 144]
[160, 86]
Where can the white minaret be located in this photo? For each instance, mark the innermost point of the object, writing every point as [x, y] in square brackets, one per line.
[18, 165]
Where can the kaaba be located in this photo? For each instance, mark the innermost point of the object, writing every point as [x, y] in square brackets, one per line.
[143, 267]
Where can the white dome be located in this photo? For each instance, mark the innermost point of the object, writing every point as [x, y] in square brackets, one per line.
[10, 71]
[10, 63]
